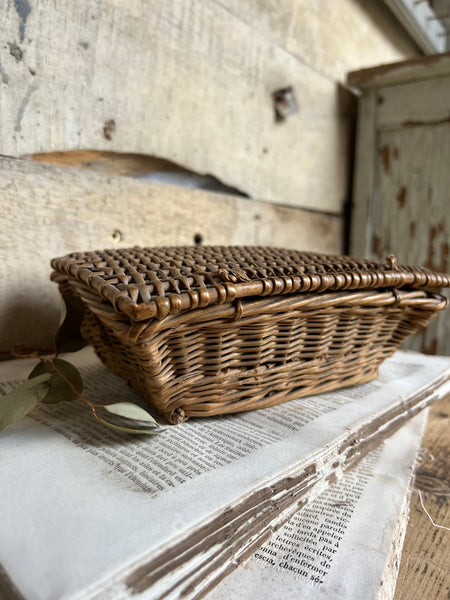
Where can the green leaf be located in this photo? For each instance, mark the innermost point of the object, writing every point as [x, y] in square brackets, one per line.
[68, 338]
[59, 389]
[128, 418]
[19, 402]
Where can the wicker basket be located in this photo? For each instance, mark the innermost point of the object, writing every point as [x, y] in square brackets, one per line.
[201, 331]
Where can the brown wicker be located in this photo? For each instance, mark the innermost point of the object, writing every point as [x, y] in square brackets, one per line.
[201, 331]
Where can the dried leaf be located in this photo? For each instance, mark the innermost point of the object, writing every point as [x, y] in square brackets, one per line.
[59, 388]
[127, 417]
[68, 338]
[19, 402]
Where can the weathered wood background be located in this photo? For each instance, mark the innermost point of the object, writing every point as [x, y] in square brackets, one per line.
[50, 211]
[402, 178]
[192, 82]
[111, 85]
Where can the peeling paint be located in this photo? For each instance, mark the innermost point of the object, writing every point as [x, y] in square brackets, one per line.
[23, 9]
[430, 348]
[432, 262]
[412, 123]
[372, 74]
[402, 197]
[4, 74]
[376, 245]
[385, 155]
[21, 110]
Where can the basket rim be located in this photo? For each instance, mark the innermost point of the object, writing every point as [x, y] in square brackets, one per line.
[108, 273]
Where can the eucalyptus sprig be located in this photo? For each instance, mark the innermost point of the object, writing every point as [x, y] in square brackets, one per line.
[55, 380]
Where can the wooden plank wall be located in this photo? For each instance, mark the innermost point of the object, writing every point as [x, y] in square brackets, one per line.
[192, 82]
[49, 211]
[111, 85]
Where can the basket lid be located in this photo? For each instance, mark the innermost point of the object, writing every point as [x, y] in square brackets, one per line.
[145, 283]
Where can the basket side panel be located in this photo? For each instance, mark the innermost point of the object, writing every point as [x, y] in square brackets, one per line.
[231, 365]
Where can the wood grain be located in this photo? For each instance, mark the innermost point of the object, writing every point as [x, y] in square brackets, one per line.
[50, 211]
[115, 163]
[414, 103]
[332, 38]
[363, 186]
[412, 69]
[410, 214]
[402, 180]
[184, 81]
[424, 568]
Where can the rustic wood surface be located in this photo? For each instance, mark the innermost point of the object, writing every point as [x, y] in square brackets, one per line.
[115, 163]
[49, 211]
[185, 81]
[332, 38]
[412, 69]
[363, 185]
[402, 181]
[192, 82]
[415, 103]
[411, 216]
[425, 564]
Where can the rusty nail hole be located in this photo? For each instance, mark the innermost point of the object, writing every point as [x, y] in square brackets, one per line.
[284, 103]
[108, 128]
[198, 239]
[116, 235]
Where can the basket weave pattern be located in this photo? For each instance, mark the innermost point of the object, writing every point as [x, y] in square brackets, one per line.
[204, 331]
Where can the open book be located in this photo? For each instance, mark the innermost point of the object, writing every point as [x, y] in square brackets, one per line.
[90, 513]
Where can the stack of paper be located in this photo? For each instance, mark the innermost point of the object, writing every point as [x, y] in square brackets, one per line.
[90, 513]
[346, 544]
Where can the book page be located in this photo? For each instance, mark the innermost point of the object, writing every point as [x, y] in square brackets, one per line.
[84, 506]
[339, 546]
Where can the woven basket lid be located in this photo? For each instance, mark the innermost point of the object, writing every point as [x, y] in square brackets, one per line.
[145, 283]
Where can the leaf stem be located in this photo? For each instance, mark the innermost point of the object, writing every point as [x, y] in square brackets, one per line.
[75, 391]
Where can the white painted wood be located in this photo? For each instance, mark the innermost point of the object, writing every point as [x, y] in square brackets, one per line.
[402, 179]
[410, 215]
[186, 81]
[419, 19]
[414, 69]
[414, 103]
[442, 8]
[50, 211]
[363, 184]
